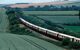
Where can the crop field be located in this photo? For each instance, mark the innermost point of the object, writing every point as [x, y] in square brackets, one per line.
[59, 19]
[9, 41]
[70, 4]
[51, 12]
[22, 42]
[56, 19]
[64, 19]
[4, 23]
[73, 28]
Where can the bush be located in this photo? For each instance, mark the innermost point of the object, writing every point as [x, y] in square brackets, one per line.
[79, 13]
[75, 45]
[10, 12]
[66, 41]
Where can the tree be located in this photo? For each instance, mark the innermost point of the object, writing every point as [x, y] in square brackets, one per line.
[79, 14]
[46, 8]
[66, 41]
[62, 8]
[75, 45]
[38, 8]
[31, 8]
[10, 12]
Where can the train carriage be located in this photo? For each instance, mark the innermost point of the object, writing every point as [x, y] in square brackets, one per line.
[51, 33]
[42, 29]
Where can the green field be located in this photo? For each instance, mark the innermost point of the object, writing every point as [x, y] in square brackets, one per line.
[59, 19]
[9, 41]
[22, 42]
[64, 19]
[51, 12]
[56, 19]
[73, 28]
[4, 23]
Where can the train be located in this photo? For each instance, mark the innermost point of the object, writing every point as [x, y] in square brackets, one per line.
[49, 33]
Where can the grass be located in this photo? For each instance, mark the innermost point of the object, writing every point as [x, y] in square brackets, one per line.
[59, 19]
[54, 18]
[64, 19]
[22, 42]
[10, 41]
[51, 12]
[4, 23]
[73, 28]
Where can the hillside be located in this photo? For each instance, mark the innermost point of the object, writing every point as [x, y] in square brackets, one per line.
[4, 23]
[2, 5]
[22, 42]
[39, 4]
[9, 41]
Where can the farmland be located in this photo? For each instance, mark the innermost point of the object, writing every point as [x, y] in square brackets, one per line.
[9, 41]
[58, 19]
[73, 28]
[65, 3]
[70, 4]
[17, 36]
[51, 12]
[22, 42]
[61, 19]
[41, 4]
[4, 23]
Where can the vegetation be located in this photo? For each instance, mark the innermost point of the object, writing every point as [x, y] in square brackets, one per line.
[75, 45]
[66, 42]
[4, 23]
[73, 28]
[14, 25]
[53, 8]
[63, 17]
[53, 13]
[19, 41]
[62, 25]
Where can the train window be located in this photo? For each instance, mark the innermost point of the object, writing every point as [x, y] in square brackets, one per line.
[27, 24]
[43, 30]
[48, 32]
[60, 36]
[72, 39]
[77, 41]
[35, 27]
[31, 26]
